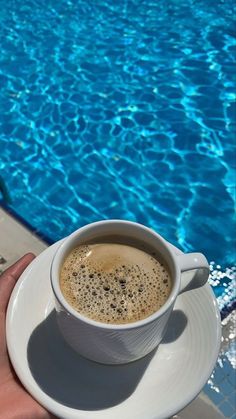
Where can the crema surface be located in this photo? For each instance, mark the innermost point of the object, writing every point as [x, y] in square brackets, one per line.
[114, 283]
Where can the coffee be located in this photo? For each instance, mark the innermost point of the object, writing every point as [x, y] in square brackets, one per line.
[114, 283]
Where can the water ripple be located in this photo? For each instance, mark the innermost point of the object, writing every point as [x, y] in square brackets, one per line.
[122, 110]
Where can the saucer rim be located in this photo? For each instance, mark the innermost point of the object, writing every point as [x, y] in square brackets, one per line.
[57, 408]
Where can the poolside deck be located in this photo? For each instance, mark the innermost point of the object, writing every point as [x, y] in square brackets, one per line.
[16, 240]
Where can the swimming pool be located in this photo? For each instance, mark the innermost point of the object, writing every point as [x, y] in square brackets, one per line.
[123, 110]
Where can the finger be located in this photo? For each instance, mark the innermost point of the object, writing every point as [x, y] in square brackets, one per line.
[9, 277]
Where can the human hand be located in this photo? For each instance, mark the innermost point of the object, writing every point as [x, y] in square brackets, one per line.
[15, 402]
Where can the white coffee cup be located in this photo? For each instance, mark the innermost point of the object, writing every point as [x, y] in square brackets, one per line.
[113, 343]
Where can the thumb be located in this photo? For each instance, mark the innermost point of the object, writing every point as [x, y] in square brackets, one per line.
[9, 277]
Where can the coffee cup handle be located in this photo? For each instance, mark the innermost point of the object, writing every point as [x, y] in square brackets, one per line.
[193, 262]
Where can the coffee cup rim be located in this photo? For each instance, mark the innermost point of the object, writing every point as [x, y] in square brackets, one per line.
[67, 243]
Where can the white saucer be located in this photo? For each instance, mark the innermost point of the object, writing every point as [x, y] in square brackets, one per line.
[157, 386]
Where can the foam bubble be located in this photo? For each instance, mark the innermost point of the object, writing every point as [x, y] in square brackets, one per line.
[114, 283]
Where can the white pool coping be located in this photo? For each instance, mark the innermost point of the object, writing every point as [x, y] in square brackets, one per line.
[16, 240]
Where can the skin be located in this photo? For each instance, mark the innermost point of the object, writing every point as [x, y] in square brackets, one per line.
[15, 402]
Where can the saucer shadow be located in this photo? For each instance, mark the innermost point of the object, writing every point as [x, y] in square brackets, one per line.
[73, 380]
[176, 325]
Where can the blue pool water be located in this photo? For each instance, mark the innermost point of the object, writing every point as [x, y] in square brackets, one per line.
[123, 110]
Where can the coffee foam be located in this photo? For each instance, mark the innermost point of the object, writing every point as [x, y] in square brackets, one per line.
[114, 283]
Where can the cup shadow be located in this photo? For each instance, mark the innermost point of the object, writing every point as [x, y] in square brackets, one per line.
[79, 383]
[176, 326]
[73, 380]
